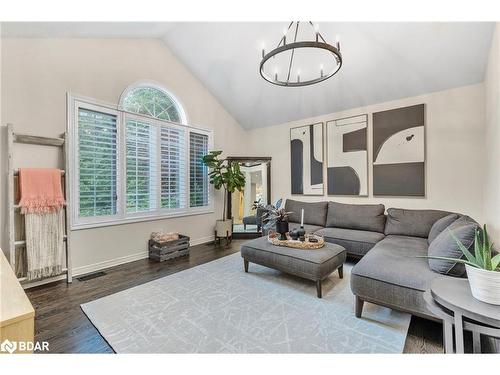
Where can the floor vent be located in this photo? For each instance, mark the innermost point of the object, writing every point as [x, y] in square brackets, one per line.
[91, 276]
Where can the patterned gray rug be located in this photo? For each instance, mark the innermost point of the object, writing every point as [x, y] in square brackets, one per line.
[218, 308]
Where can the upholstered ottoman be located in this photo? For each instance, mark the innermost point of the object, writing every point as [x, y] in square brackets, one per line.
[313, 265]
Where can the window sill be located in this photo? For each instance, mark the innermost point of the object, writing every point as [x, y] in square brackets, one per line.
[139, 219]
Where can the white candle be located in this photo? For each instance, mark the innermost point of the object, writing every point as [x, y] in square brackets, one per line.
[302, 218]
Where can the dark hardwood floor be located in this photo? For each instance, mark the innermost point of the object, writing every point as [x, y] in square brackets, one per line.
[60, 321]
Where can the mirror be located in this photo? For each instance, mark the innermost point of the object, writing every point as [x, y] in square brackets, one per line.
[243, 205]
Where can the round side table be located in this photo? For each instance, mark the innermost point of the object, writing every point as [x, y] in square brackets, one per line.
[451, 300]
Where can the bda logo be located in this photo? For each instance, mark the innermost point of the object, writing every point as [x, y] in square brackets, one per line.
[8, 346]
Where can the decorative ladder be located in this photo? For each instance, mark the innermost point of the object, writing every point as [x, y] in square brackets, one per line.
[13, 207]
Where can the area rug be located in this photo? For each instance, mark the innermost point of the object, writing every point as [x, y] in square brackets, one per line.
[218, 308]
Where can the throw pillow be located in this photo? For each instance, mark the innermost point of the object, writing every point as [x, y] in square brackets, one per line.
[441, 225]
[444, 245]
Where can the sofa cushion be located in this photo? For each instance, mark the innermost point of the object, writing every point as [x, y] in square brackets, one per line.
[369, 217]
[445, 246]
[356, 242]
[351, 234]
[441, 225]
[314, 213]
[307, 227]
[413, 223]
[394, 261]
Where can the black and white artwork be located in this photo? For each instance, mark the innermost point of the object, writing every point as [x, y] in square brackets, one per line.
[306, 146]
[399, 152]
[347, 161]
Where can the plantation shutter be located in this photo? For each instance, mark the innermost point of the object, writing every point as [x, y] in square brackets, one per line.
[141, 166]
[198, 172]
[97, 141]
[173, 164]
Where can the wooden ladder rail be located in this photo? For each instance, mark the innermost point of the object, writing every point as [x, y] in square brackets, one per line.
[13, 138]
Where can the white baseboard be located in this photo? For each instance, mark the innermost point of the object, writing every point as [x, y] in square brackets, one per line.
[201, 240]
[128, 258]
[77, 271]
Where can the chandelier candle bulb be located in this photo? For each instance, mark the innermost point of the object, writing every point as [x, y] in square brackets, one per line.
[263, 52]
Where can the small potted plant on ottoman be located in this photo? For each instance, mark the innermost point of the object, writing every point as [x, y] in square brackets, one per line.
[279, 218]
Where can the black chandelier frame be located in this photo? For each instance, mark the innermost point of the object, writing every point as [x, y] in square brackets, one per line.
[319, 43]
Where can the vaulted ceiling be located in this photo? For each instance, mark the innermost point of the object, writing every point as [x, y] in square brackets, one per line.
[381, 61]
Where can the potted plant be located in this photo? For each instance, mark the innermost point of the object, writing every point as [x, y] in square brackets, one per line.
[277, 217]
[228, 177]
[482, 268]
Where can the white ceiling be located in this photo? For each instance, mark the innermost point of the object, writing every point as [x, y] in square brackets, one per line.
[381, 61]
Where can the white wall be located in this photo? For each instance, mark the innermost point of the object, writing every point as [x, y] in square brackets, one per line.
[492, 183]
[37, 73]
[454, 154]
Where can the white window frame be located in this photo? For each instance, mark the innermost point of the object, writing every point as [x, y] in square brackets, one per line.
[74, 102]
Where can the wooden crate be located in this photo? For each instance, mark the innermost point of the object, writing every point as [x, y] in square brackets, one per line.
[168, 250]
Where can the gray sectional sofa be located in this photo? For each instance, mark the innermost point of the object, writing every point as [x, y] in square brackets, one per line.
[389, 272]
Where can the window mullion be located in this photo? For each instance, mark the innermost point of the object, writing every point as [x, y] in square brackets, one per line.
[158, 169]
[122, 166]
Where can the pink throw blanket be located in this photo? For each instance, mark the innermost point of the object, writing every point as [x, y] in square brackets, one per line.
[41, 190]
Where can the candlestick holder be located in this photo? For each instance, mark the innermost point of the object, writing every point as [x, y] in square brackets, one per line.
[301, 233]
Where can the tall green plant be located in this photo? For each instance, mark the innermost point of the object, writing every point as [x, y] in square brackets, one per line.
[482, 257]
[224, 175]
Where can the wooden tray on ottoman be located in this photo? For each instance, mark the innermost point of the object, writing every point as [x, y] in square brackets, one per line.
[306, 245]
[161, 251]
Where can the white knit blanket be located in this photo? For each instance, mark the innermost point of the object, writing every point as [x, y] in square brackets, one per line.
[44, 244]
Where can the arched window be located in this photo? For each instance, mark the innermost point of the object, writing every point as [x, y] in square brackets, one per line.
[150, 99]
[138, 161]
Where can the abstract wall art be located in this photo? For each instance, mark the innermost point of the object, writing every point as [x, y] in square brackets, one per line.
[347, 160]
[399, 152]
[306, 147]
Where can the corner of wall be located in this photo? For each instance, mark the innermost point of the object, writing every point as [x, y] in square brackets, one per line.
[491, 195]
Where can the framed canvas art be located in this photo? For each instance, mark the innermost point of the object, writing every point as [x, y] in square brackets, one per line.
[347, 156]
[306, 159]
[399, 152]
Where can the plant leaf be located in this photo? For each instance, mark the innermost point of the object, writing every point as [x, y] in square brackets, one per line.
[463, 249]
[495, 262]
[478, 248]
[463, 261]
[486, 250]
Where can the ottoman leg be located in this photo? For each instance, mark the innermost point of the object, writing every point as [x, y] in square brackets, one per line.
[359, 307]
[245, 262]
[341, 272]
[318, 288]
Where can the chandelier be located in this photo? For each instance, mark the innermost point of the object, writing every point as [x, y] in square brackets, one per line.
[314, 59]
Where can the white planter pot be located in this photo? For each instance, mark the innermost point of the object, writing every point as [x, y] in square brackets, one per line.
[484, 285]
[224, 227]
